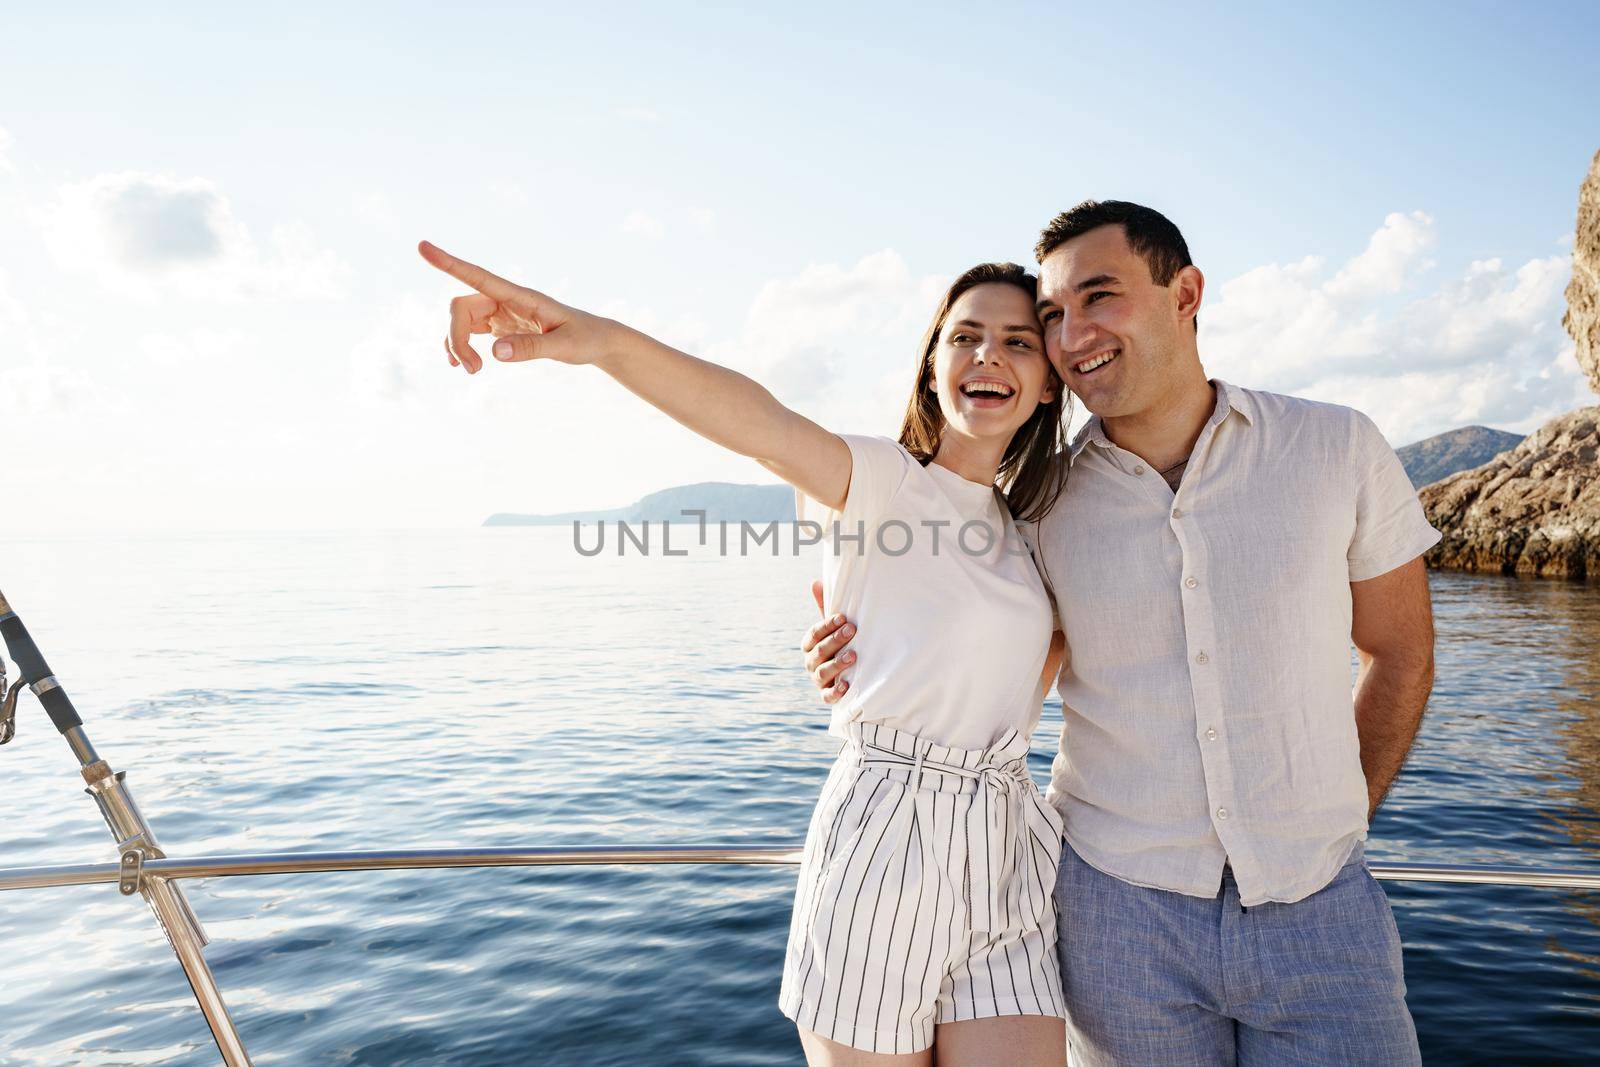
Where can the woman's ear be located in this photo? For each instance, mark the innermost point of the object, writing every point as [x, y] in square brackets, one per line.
[1052, 388]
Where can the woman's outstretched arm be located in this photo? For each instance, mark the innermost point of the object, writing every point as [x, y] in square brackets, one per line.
[719, 404]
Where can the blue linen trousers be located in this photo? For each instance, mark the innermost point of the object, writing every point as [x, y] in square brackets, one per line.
[1159, 978]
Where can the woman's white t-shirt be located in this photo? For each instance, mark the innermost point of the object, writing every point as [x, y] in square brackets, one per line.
[953, 621]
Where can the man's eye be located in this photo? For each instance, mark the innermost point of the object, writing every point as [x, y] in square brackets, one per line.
[1050, 316]
[1095, 296]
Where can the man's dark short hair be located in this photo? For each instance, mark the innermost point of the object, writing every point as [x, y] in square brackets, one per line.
[1150, 234]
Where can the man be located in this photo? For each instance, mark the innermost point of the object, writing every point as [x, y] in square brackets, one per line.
[1216, 552]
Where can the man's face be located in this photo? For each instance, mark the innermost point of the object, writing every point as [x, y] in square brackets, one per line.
[1109, 330]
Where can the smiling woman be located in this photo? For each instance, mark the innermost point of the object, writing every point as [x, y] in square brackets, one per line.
[933, 739]
[995, 299]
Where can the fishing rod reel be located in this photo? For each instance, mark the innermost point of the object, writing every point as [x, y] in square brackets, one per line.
[8, 703]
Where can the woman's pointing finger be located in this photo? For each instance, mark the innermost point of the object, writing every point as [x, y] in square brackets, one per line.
[491, 285]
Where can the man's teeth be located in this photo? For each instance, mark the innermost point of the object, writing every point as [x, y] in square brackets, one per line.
[989, 388]
[1099, 361]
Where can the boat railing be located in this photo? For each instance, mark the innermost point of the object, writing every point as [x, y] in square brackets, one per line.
[144, 869]
[413, 859]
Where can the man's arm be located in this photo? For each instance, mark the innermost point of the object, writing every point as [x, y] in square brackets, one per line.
[1392, 627]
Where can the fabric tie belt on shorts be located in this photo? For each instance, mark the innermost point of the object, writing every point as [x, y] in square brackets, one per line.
[997, 814]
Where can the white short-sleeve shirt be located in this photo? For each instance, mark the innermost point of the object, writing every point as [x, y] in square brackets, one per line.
[953, 621]
[1208, 714]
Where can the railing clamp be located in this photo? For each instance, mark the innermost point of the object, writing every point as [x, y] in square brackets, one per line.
[130, 872]
[130, 869]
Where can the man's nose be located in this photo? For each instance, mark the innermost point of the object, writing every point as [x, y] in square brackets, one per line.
[1073, 333]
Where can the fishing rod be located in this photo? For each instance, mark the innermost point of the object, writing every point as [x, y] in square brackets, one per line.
[136, 842]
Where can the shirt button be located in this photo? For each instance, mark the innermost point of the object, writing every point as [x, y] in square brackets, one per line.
[1222, 813]
[1138, 469]
[1202, 658]
[1177, 513]
[1190, 582]
[1211, 733]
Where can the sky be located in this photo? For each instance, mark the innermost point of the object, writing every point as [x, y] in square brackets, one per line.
[213, 317]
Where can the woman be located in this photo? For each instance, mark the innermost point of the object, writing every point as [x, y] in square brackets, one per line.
[923, 915]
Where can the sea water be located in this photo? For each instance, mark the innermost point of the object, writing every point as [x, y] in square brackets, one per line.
[485, 687]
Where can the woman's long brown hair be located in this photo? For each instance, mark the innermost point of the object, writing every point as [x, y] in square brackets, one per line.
[1033, 470]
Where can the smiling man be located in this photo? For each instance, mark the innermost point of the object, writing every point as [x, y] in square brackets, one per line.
[1215, 554]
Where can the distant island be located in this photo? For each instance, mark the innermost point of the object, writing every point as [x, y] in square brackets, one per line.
[721, 501]
[1425, 461]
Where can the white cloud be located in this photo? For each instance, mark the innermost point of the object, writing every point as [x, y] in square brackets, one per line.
[638, 114]
[390, 364]
[31, 382]
[376, 207]
[642, 224]
[839, 334]
[38, 387]
[1394, 256]
[1485, 347]
[146, 235]
[192, 350]
[6, 166]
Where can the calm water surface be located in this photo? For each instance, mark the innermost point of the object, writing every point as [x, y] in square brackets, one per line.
[492, 687]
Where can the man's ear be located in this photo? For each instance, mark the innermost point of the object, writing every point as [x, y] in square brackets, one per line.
[1188, 287]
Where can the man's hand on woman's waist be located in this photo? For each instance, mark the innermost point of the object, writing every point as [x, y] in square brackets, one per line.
[822, 645]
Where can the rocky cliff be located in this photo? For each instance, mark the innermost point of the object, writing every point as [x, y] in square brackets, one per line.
[1583, 293]
[1536, 509]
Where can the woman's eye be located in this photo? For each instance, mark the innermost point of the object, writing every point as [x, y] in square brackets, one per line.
[1022, 342]
[961, 337]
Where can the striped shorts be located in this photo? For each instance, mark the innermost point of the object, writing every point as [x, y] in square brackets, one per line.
[925, 893]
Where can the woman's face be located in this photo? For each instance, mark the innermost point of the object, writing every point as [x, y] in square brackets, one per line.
[989, 365]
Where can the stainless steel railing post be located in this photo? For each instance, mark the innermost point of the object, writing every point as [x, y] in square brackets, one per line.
[136, 842]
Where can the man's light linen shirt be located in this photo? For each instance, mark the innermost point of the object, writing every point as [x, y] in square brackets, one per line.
[1207, 698]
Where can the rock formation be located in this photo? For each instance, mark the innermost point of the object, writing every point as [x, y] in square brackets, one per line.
[1582, 319]
[1536, 509]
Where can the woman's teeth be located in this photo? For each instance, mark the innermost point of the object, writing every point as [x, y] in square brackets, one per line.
[1098, 361]
[985, 389]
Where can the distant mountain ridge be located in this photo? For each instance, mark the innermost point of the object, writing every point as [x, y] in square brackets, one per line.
[1437, 457]
[721, 501]
[1425, 461]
